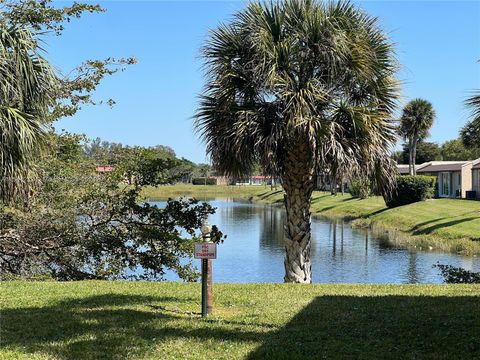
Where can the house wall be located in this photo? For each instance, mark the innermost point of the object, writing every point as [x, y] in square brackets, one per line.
[466, 179]
[223, 180]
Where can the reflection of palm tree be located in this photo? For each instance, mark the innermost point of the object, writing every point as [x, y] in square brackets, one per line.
[412, 268]
[333, 225]
[342, 224]
[366, 243]
[271, 227]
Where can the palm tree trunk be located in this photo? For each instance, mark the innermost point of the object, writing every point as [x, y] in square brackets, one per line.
[298, 185]
[333, 185]
[410, 161]
[414, 156]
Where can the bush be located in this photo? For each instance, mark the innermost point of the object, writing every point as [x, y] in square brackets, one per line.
[204, 181]
[360, 188]
[410, 189]
[454, 275]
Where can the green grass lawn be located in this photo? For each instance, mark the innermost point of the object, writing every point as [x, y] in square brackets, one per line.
[442, 224]
[202, 191]
[141, 320]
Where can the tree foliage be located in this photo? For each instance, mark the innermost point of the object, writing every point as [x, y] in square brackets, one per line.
[122, 157]
[33, 95]
[26, 83]
[145, 166]
[455, 150]
[84, 225]
[470, 133]
[41, 15]
[456, 275]
[322, 73]
[426, 151]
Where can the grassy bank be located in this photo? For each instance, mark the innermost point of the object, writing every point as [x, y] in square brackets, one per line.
[203, 191]
[441, 224]
[124, 320]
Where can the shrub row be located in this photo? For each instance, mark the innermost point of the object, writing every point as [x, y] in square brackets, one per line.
[410, 189]
[361, 189]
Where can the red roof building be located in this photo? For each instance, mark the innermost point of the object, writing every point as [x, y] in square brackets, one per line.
[104, 169]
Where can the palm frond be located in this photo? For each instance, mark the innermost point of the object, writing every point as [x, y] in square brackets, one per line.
[299, 71]
[26, 86]
[470, 133]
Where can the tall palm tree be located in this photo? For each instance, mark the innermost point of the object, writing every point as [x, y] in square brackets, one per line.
[417, 119]
[299, 86]
[26, 86]
[470, 133]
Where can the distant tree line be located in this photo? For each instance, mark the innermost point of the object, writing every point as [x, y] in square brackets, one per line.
[451, 150]
[153, 159]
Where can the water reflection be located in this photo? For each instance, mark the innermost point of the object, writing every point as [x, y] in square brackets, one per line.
[254, 250]
[271, 227]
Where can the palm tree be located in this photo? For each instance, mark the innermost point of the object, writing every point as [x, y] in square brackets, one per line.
[299, 86]
[470, 133]
[26, 86]
[417, 119]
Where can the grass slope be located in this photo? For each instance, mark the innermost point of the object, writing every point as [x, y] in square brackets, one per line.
[126, 320]
[443, 224]
[202, 191]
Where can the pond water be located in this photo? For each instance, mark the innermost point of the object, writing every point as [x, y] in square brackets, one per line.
[254, 251]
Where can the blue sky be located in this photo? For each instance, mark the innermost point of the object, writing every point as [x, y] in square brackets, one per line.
[438, 45]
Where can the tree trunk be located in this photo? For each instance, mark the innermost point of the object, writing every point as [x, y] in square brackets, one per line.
[298, 185]
[333, 185]
[414, 156]
[410, 161]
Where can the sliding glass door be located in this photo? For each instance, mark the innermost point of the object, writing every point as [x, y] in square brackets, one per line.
[444, 186]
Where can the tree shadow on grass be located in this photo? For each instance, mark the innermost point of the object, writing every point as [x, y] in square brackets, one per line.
[428, 230]
[386, 327]
[419, 226]
[120, 326]
[106, 326]
[319, 198]
[269, 194]
[376, 212]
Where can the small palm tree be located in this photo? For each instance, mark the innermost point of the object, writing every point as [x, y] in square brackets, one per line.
[415, 123]
[470, 133]
[26, 85]
[299, 86]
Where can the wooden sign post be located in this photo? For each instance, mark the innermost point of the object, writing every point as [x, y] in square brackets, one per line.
[206, 251]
